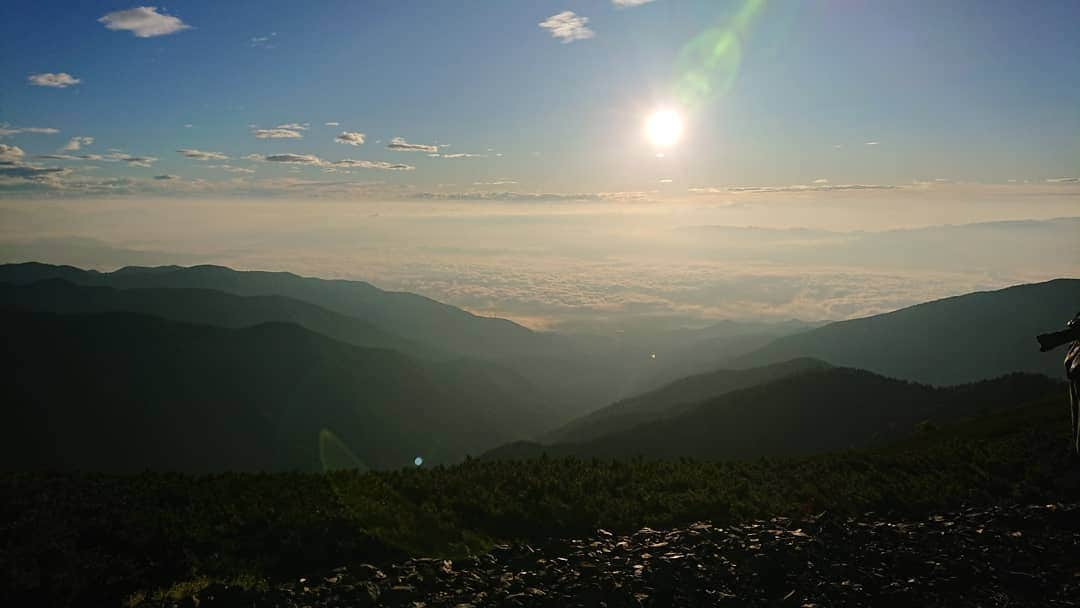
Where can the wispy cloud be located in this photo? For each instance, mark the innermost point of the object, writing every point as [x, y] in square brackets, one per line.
[399, 144]
[143, 22]
[353, 138]
[59, 80]
[458, 155]
[567, 27]
[277, 133]
[1064, 180]
[372, 164]
[134, 161]
[76, 143]
[294, 126]
[498, 182]
[6, 129]
[629, 3]
[112, 157]
[93, 157]
[166, 177]
[872, 143]
[202, 155]
[231, 168]
[315, 161]
[534, 197]
[332, 124]
[817, 186]
[264, 42]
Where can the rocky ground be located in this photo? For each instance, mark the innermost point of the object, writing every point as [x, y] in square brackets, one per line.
[1004, 556]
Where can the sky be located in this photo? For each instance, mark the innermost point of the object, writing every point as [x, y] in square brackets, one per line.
[496, 154]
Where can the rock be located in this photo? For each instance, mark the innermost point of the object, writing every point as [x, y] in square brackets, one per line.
[969, 558]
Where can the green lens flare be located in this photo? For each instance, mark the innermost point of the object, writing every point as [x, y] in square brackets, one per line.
[335, 455]
[709, 64]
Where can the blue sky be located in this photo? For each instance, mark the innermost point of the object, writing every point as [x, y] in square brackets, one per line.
[966, 91]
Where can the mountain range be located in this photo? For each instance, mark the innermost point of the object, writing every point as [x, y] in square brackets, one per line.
[207, 368]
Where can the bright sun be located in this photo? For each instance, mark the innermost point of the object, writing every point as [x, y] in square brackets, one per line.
[664, 128]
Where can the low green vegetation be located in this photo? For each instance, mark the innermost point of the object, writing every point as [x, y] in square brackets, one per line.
[93, 539]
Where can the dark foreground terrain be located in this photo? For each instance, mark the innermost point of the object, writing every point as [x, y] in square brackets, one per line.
[159, 539]
[999, 556]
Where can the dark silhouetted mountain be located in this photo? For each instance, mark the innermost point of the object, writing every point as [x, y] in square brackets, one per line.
[127, 392]
[950, 341]
[816, 411]
[408, 315]
[200, 306]
[673, 399]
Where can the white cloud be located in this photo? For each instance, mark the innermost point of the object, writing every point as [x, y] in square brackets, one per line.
[568, 26]
[353, 138]
[76, 143]
[11, 154]
[629, 3]
[872, 143]
[459, 155]
[143, 22]
[6, 129]
[277, 134]
[59, 80]
[294, 126]
[332, 124]
[399, 144]
[202, 155]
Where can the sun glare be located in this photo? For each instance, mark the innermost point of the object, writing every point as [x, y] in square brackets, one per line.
[664, 128]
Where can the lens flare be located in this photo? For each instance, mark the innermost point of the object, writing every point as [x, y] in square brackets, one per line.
[708, 65]
[335, 455]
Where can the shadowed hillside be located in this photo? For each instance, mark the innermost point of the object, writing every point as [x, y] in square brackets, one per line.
[201, 306]
[817, 411]
[672, 400]
[961, 339]
[126, 392]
